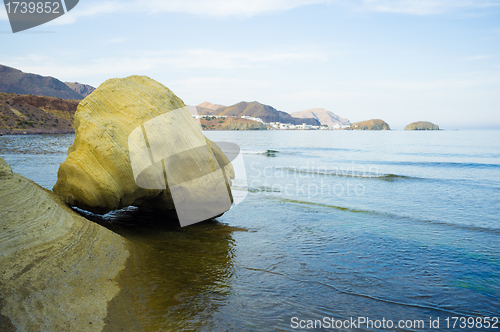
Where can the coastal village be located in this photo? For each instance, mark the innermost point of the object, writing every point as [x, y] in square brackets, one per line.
[277, 125]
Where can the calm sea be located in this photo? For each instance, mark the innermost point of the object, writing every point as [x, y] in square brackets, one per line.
[336, 225]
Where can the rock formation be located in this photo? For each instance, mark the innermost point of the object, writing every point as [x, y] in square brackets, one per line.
[374, 124]
[131, 133]
[422, 125]
[57, 269]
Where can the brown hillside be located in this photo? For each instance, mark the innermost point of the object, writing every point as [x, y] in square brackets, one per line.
[22, 114]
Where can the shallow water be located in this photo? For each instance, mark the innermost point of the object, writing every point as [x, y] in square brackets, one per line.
[395, 225]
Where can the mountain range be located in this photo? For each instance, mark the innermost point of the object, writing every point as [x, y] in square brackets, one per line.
[15, 81]
[254, 109]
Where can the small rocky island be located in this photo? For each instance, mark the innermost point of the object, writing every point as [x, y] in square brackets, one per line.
[374, 124]
[422, 125]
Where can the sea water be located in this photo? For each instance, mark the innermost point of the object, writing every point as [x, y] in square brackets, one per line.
[337, 227]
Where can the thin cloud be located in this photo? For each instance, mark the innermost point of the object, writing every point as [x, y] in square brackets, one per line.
[213, 8]
[3, 15]
[246, 8]
[438, 85]
[90, 9]
[199, 89]
[222, 8]
[117, 40]
[478, 57]
[426, 7]
[142, 61]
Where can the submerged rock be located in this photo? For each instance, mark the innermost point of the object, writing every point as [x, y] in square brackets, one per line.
[422, 125]
[137, 144]
[57, 269]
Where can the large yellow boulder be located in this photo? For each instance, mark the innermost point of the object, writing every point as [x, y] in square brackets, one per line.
[137, 144]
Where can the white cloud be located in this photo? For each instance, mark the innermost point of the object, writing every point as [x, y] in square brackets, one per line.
[478, 57]
[247, 8]
[473, 81]
[426, 7]
[3, 14]
[227, 7]
[214, 8]
[218, 89]
[161, 61]
[89, 9]
[117, 40]
[313, 95]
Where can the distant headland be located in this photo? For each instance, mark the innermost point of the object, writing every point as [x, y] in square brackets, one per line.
[35, 104]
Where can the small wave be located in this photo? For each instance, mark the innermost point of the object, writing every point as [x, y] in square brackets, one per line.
[437, 164]
[263, 189]
[391, 215]
[267, 153]
[350, 174]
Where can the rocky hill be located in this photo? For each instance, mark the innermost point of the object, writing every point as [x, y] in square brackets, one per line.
[22, 114]
[257, 110]
[325, 117]
[374, 124]
[15, 81]
[210, 105]
[82, 89]
[422, 125]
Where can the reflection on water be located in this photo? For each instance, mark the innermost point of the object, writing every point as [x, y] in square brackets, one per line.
[176, 278]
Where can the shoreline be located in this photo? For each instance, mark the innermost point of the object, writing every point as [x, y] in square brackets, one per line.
[5, 132]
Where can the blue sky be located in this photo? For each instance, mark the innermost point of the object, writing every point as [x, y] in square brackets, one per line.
[401, 61]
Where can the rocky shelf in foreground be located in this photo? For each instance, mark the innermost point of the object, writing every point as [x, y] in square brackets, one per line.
[58, 270]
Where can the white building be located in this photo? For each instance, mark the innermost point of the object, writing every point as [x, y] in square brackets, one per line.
[252, 118]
